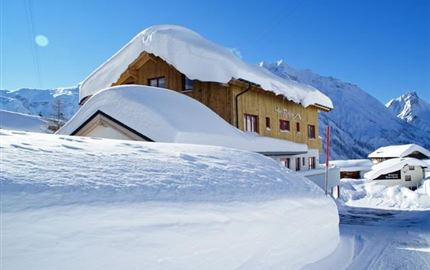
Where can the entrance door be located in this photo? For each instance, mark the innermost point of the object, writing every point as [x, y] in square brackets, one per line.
[298, 164]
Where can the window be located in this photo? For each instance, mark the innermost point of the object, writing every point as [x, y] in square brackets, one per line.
[284, 125]
[412, 168]
[157, 82]
[312, 162]
[297, 126]
[298, 164]
[250, 123]
[286, 162]
[187, 84]
[408, 178]
[311, 131]
[303, 161]
[267, 122]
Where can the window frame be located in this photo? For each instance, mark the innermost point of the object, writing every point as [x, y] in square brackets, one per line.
[312, 135]
[245, 122]
[286, 162]
[157, 79]
[268, 124]
[287, 124]
[184, 84]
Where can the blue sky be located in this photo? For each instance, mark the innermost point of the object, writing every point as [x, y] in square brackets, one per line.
[382, 46]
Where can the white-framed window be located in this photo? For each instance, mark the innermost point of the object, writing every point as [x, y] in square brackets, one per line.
[250, 123]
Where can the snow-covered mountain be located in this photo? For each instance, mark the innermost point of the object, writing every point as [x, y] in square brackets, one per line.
[359, 122]
[40, 102]
[412, 109]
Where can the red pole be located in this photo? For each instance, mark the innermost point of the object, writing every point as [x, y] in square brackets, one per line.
[327, 149]
[327, 156]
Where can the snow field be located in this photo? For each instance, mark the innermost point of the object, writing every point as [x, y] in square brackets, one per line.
[86, 203]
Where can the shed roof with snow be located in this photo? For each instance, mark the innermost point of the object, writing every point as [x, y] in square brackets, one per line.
[352, 165]
[199, 59]
[392, 165]
[397, 151]
[163, 115]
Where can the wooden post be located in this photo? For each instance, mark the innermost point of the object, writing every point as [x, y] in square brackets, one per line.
[327, 151]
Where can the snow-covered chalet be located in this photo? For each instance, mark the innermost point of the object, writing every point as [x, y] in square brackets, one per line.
[270, 115]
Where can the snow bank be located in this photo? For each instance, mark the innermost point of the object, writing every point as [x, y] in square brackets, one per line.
[198, 59]
[392, 165]
[398, 151]
[24, 122]
[373, 195]
[84, 203]
[167, 116]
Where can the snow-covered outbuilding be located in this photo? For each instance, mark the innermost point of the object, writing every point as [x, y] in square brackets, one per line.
[354, 168]
[399, 151]
[408, 172]
[246, 96]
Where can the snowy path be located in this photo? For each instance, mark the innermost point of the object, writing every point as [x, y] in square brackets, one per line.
[381, 239]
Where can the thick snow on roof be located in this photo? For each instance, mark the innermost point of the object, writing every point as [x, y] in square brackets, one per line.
[392, 165]
[198, 59]
[167, 116]
[352, 165]
[402, 150]
[85, 203]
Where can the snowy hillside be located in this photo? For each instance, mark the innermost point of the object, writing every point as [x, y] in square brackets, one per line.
[40, 102]
[412, 109]
[359, 123]
[24, 122]
[86, 203]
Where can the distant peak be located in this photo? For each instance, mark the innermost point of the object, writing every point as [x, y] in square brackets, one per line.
[411, 94]
[280, 62]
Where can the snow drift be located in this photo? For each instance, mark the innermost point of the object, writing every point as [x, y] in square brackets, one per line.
[83, 203]
[358, 193]
[198, 59]
[24, 122]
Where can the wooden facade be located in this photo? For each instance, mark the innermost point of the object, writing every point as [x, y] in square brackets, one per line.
[266, 106]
